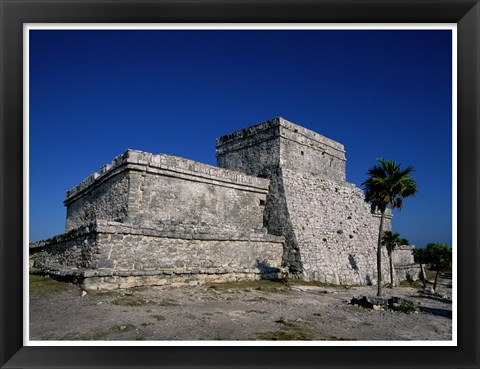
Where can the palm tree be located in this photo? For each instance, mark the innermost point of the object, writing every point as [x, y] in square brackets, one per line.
[387, 186]
[440, 258]
[404, 241]
[390, 240]
[420, 256]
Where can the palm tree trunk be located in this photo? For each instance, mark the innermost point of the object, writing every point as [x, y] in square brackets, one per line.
[379, 256]
[422, 275]
[391, 270]
[435, 282]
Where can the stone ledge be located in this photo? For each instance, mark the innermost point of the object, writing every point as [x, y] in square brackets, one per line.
[208, 179]
[109, 280]
[74, 233]
[202, 234]
[277, 122]
[190, 232]
[168, 164]
[87, 273]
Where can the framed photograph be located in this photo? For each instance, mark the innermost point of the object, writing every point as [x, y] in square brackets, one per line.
[26, 152]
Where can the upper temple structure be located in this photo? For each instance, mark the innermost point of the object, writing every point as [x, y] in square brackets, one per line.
[277, 205]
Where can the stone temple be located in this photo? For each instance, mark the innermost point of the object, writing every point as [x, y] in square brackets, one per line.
[277, 205]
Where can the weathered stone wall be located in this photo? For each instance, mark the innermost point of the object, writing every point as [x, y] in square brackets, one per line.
[152, 190]
[106, 249]
[403, 255]
[305, 151]
[404, 263]
[336, 232]
[75, 249]
[178, 278]
[259, 149]
[278, 221]
[163, 199]
[330, 232]
[125, 247]
[254, 150]
[106, 198]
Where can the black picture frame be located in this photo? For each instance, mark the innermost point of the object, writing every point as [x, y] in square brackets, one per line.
[466, 13]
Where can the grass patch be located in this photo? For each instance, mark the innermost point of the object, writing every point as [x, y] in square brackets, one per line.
[257, 299]
[257, 312]
[147, 324]
[284, 336]
[356, 309]
[413, 284]
[335, 338]
[123, 328]
[300, 282]
[159, 318]
[100, 295]
[287, 323]
[291, 331]
[367, 324]
[406, 307]
[45, 285]
[168, 302]
[130, 300]
[278, 285]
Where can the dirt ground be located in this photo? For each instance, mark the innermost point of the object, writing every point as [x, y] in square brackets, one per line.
[260, 310]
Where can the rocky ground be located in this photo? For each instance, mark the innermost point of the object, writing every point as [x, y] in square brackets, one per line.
[261, 310]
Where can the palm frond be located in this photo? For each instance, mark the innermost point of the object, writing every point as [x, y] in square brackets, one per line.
[387, 185]
[390, 240]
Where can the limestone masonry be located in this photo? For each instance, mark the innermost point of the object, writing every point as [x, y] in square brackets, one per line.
[277, 205]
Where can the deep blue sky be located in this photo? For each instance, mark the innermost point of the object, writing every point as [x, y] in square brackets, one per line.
[94, 94]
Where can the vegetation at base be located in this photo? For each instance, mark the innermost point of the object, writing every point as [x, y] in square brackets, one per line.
[277, 285]
[100, 295]
[283, 335]
[406, 307]
[45, 285]
[168, 302]
[356, 309]
[413, 284]
[158, 317]
[300, 282]
[438, 257]
[291, 330]
[257, 311]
